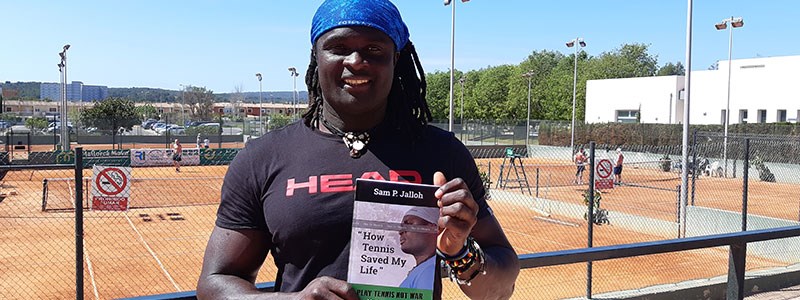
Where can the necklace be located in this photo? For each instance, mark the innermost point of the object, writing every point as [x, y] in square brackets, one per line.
[355, 141]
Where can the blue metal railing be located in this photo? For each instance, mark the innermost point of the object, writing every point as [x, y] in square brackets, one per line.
[737, 242]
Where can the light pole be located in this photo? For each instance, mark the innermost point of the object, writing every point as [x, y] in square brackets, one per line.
[687, 82]
[735, 23]
[183, 103]
[61, 85]
[452, 59]
[461, 81]
[571, 44]
[260, 121]
[528, 75]
[293, 73]
[64, 120]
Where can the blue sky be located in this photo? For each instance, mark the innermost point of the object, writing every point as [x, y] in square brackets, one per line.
[222, 44]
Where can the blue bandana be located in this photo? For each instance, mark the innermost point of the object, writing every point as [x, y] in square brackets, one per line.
[378, 14]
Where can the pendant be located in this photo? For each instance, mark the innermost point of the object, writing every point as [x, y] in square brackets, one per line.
[358, 145]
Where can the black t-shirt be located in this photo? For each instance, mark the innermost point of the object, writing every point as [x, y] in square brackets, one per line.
[296, 184]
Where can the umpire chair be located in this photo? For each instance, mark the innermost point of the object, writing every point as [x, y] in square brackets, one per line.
[513, 162]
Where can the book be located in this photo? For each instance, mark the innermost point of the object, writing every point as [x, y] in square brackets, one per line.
[393, 240]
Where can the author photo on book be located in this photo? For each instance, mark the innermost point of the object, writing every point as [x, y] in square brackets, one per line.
[290, 193]
[421, 244]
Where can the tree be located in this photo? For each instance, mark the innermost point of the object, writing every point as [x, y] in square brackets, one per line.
[146, 111]
[201, 102]
[111, 115]
[276, 121]
[438, 94]
[237, 99]
[671, 69]
[630, 60]
[491, 87]
[36, 123]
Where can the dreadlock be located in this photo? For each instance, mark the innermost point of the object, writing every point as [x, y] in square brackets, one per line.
[407, 109]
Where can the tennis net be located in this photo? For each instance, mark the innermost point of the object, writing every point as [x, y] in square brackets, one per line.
[58, 194]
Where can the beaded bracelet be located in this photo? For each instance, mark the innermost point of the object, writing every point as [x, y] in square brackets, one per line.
[463, 261]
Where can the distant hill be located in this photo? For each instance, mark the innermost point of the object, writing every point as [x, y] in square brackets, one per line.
[161, 95]
[25, 90]
[31, 90]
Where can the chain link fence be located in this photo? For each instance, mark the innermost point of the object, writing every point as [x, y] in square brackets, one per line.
[541, 203]
[145, 222]
[153, 242]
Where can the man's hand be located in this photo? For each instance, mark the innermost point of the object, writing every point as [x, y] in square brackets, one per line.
[459, 213]
[327, 288]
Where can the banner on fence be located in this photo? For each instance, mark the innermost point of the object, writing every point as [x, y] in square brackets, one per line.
[214, 157]
[163, 157]
[111, 188]
[92, 157]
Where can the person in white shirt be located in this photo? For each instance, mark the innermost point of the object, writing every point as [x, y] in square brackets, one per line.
[422, 245]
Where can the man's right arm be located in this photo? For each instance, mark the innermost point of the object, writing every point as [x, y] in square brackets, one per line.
[231, 263]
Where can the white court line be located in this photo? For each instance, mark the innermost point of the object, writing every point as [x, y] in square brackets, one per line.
[141, 238]
[85, 251]
[71, 196]
[91, 270]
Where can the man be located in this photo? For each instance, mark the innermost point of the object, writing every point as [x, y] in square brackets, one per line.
[618, 167]
[580, 163]
[289, 193]
[177, 153]
[422, 245]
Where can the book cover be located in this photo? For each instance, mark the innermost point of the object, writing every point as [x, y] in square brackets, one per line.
[393, 241]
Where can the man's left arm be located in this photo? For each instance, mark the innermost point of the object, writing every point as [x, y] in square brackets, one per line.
[458, 222]
[501, 265]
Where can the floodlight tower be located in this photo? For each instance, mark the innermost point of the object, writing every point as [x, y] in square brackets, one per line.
[735, 23]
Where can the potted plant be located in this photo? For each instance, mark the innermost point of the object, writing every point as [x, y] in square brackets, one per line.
[665, 163]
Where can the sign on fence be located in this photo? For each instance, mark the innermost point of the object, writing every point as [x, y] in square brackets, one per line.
[111, 188]
[163, 157]
[604, 179]
[214, 157]
[95, 157]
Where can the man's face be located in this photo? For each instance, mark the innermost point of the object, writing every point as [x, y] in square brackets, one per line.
[356, 68]
[417, 243]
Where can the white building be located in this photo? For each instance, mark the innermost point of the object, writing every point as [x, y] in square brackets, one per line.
[762, 90]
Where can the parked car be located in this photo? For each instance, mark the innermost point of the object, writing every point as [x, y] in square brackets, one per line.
[56, 126]
[147, 123]
[155, 127]
[20, 129]
[198, 123]
[152, 125]
[163, 129]
[177, 130]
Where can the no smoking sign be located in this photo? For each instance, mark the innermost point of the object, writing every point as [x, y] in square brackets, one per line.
[604, 168]
[110, 188]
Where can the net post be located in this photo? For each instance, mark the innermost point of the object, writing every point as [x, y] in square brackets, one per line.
[694, 164]
[745, 186]
[44, 194]
[79, 223]
[590, 217]
[537, 182]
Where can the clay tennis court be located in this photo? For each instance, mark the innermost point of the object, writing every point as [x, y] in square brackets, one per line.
[157, 246]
